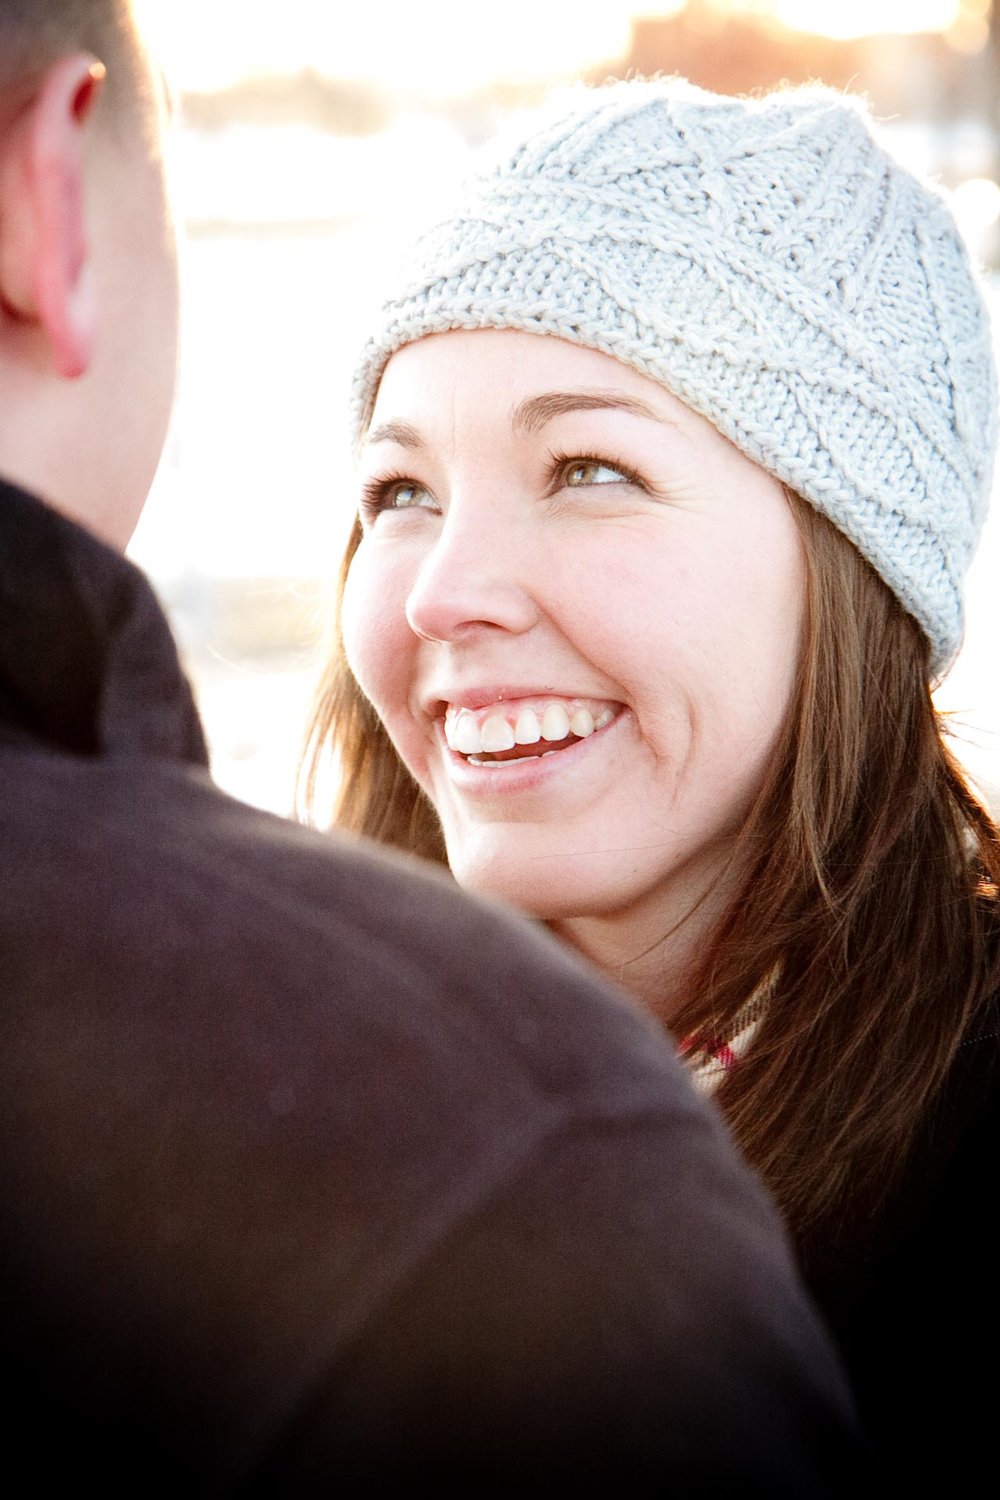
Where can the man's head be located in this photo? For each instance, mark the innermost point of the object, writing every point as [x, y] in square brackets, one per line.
[88, 284]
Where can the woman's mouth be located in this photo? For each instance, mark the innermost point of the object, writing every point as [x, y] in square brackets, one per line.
[528, 729]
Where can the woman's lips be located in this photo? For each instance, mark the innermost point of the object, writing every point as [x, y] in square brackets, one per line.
[524, 729]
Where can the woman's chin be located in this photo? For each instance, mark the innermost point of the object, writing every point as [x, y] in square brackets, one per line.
[549, 888]
[510, 886]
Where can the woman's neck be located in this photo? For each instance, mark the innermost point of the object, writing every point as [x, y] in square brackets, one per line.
[652, 947]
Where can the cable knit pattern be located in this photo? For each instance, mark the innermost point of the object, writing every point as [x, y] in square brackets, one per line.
[769, 263]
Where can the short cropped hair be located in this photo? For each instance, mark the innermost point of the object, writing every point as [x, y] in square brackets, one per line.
[35, 33]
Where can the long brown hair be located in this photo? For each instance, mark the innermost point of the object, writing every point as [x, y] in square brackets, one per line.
[867, 893]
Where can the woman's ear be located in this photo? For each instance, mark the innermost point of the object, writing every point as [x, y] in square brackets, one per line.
[45, 275]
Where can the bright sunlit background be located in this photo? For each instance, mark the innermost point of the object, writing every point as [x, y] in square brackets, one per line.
[311, 137]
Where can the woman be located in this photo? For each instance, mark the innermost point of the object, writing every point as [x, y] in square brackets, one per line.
[673, 452]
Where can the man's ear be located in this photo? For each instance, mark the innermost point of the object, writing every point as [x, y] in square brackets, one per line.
[44, 267]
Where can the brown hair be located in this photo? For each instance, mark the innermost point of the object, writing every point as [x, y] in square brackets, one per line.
[867, 893]
[375, 794]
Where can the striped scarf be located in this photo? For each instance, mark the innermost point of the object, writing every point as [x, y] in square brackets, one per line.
[710, 1058]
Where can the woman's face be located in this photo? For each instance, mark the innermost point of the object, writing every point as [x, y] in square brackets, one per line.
[577, 609]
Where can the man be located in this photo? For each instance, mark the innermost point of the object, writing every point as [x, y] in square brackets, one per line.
[315, 1175]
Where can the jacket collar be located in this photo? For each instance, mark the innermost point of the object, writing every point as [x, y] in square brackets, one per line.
[87, 661]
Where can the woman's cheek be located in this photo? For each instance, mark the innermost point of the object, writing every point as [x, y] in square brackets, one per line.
[374, 629]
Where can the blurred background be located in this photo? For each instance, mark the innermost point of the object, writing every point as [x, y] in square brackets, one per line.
[310, 136]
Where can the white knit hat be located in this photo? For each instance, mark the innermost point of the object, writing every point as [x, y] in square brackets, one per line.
[769, 263]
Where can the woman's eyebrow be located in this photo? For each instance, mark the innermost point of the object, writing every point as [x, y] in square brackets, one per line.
[529, 415]
[395, 432]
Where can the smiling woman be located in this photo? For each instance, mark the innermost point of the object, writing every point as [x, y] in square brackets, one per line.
[674, 448]
[535, 515]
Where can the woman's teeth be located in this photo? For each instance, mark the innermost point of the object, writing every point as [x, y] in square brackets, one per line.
[496, 734]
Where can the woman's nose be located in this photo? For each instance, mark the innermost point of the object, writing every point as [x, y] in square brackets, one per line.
[475, 577]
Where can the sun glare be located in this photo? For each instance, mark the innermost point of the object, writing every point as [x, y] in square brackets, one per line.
[452, 46]
[437, 44]
[844, 19]
[853, 18]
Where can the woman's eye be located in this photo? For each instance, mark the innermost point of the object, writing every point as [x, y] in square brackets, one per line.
[583, 471]
[405, 495]
[381, 495]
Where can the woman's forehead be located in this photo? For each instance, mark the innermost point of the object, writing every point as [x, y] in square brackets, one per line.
[529, 377]
[519, 382]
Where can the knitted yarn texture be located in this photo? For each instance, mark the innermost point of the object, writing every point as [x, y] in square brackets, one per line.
[769, 263]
